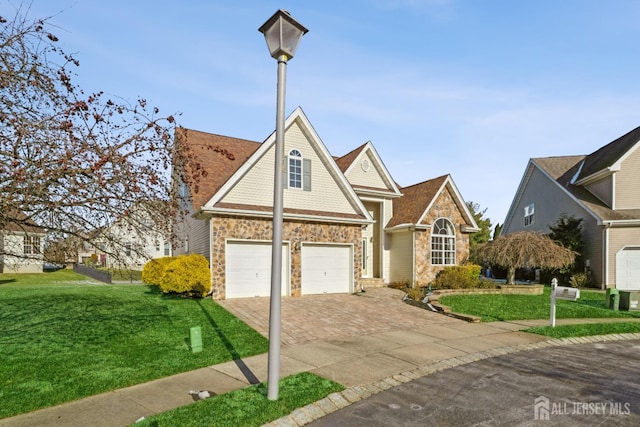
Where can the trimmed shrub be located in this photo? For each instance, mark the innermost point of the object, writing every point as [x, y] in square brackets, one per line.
[187, 274]
[579, 280]
[459, 277]
[416, 294]
[153, 270]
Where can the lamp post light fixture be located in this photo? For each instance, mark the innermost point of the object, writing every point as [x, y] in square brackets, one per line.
[283, 34]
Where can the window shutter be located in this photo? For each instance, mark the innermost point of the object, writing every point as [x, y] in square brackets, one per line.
[285, 172]
[306, 174]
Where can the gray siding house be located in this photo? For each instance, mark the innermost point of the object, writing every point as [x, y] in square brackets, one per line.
[602, 188]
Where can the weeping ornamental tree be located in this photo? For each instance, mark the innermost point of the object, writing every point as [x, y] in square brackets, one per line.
[526, 249]
[74, 162]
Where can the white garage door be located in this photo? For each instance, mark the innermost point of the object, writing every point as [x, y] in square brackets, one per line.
[248, 269]
[628, 268]
[326, 269]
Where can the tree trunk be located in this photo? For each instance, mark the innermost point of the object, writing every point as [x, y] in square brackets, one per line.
[511, 276]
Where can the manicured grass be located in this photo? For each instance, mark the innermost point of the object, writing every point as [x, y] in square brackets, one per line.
[248, 406]
[586, 329]
[520, 307]
[65, 337]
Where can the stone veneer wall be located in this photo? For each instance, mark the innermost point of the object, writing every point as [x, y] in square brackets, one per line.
[444, 207]
[224, 228]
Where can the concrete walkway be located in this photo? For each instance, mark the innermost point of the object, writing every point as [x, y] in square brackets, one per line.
[366, 343]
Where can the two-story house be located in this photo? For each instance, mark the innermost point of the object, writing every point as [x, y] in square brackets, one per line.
[602, 188]
[21, 246]
[347, 224]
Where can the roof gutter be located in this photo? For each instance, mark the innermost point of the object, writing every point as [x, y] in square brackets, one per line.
[256, 214]
[410, 227]
[602, 173]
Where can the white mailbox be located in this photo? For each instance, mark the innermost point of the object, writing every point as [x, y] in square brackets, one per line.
[560, 292]
[563, 292]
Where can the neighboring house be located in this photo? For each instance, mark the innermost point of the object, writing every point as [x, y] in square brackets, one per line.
[347, 224]
[601, 188]
[126, 244]
[21, 247]
[130, 244]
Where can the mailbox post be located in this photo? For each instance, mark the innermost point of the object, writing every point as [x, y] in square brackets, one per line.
[561, 292]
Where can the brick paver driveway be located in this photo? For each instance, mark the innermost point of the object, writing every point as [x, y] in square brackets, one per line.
[319, 317]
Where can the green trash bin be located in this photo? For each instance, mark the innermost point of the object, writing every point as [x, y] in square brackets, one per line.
[629, 300]
[612, 299]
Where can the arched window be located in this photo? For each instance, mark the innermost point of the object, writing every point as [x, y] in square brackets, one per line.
[295, 169]
[443, 243]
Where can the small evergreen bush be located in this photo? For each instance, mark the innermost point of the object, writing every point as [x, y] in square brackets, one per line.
[458, 277]
[187, 274]
[153, 270]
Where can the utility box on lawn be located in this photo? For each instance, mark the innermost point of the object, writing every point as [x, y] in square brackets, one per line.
[629, 300]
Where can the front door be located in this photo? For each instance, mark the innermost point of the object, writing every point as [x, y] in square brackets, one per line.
[367, 250]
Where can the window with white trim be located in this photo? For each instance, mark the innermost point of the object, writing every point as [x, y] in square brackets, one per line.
[31, 245]
[443, 243]
[528, 214]
[295, 169]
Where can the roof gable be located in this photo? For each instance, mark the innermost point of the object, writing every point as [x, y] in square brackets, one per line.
[250, 186]
[366, 172]
[560, 172]
[418, 199]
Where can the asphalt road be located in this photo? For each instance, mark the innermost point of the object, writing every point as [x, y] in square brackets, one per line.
[576, 385]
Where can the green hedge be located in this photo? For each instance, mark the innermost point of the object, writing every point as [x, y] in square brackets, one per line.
[458, 277]
[185, 274]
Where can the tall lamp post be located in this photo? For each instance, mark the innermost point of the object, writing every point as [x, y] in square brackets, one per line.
[283, 33]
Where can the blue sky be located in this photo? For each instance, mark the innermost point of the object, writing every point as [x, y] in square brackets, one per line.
[466, 87]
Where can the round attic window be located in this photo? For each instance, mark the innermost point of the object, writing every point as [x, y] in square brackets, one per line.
[365, 165]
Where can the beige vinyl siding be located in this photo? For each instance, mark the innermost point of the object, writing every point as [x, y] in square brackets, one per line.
[401, 246]
[369, 178]
[387, 209]
[626, 183]
[603, 190]
[618, 239]
[256, 186]
[14, 243]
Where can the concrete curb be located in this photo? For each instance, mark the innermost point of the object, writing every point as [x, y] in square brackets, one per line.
[333, 402]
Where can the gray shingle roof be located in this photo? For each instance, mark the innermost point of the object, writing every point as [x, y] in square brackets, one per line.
[563, 169]
[609, 154]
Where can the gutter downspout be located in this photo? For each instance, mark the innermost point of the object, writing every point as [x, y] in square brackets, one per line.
[605, 254]
[413, 255]
[211, 272]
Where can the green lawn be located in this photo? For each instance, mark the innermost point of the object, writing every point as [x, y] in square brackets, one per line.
[248, 406]
[520, 307]
[586, 329]
[65, 337]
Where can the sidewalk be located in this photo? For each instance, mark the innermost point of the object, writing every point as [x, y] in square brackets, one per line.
[357, 362]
